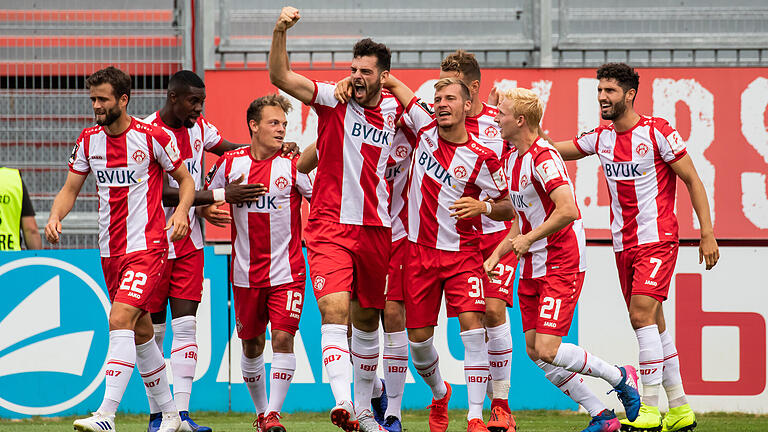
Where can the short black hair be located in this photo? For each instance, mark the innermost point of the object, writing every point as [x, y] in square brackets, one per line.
[183, 80]
[624, 75]
[367, 47]
[120, 81]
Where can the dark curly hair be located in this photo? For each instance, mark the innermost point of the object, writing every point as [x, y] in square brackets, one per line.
[367, 47]
[624, 75]
[462, 62]
[120, 81]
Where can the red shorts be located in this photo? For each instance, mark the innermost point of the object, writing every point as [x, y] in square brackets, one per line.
[430, 272]
[547, 303]
[183, 279]
[280, 305]
[349, 258]
[133, 278]
[647, 269]
[501, 287]
[488, 242]
[396, 275]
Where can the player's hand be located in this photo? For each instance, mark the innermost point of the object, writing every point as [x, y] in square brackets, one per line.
[215, 215]
[520, 245]
[180, 224]
[343, 90]
[291, 149]
[288, 17]
[490, 266]
[467, 207]
[493, 97]
[52, 230]
[708, 251]
[236, 193]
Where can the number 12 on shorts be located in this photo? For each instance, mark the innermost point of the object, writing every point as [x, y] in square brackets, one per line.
[294, 301]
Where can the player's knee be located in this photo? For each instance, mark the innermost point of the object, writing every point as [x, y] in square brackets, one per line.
[641, 318]
[546, 353]
[253, 348]
[394, 319]
[532, 354]
[494, 317]
[282, 342]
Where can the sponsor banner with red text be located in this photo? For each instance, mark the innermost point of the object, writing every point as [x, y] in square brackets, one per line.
[717, 319]
[720, 113]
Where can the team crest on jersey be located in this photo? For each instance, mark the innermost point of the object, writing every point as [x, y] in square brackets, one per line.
[491, 132]
[73, 156]
[391, 120]
[198, 144]
[459, 172]
[499, 179]
[401, 152]
[139, 156]
[319, 283]
[641, 149]
[523, 181]
[281, 183]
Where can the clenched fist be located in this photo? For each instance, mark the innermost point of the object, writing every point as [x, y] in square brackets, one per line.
[288, 17]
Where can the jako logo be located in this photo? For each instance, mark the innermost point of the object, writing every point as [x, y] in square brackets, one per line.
[44, 341]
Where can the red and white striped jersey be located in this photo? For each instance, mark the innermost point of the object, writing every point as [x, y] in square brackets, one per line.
[488, 133]
[128, 169]
[533, 175]
[353, 145]
[398, 165]
[191, 141]
[640, 181]
[442, 172]
[266, 233]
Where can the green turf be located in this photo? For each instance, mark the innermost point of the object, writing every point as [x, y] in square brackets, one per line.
[414, 421]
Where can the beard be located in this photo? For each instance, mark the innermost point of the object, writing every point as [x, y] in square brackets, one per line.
[617, 110]
[110, 117]
[370, 92]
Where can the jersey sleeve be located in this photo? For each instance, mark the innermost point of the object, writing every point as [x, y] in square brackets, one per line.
[671, 144]
[217, 176]
[211, 135]
[491, 179]
[165, 149]
[304, 185]
[421, 114]
[549, 170]
[78, 162]
[323, 96]
[26, 202]
[587, 142]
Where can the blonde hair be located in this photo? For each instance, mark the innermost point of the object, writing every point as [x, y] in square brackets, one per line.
[526, 103]
[445, 82]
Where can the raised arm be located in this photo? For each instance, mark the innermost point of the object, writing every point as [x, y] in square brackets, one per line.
[308, 159]
[280, 73]
[399, 90]
[708, 250]
[567, 149]
[62, 205]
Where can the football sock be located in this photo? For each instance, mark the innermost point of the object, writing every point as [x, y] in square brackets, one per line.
[378, 389]
[151, 366]
[253, 375]
[575, 359]
[651, 363]
[365, 360]
[573, 386]
[476, 372]
[159, 335]
[183, 359]
[281, 375]
[122, 357]
[672, 382]
[395, 358]
[427, 364]
[336, 360]
[500, 359]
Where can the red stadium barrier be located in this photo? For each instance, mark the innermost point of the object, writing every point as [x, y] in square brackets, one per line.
[720, 112]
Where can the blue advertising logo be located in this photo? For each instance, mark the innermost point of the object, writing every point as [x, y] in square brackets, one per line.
[52, 322]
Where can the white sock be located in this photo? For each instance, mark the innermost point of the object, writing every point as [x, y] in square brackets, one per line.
[573, 386]
[280, 377]
[500, 359]
[336, 360]
[253, 375]
[159, 335]
[476, 373]
[427, 364]
[378, 389]
[183, 359]
[575, 359]
[122, 357]
[651, 363]
[365, 359]
[152, 369]
[672, 381]
[395, 370]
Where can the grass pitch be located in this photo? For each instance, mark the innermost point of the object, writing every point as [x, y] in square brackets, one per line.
[414, 421]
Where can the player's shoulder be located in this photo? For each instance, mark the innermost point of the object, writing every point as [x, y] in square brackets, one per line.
[490, 110]
[658, 123]
[476, 146]
[150, 119]
[236, 153]
[156, 132]
[90, 131]
[596, 131]
[543, 149]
